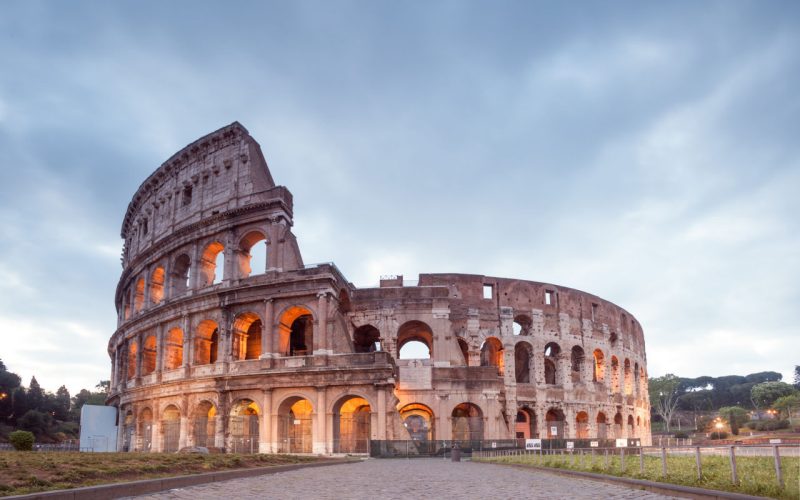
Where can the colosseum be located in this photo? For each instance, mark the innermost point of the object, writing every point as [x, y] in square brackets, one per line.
[227, 339]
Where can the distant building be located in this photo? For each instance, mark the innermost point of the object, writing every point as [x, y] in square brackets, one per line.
[215, 349]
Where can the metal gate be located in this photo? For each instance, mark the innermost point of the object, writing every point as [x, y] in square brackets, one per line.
[555, 429]
[203, 431]
[467, 428]
[127, 437]
[353, 435]
[171, 430]
[295, 434]
[144, 441]
[244, 434]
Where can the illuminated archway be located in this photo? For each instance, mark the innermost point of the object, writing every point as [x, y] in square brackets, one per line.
[555, 423]
[351, 425]
[492, 354]
[173, 349]
[170, 429]
[467, 422]
[525, 424]
[204, 424]
[206, 342]
[246, 340]
[418, 421]
[244, 426]
[252, 254]
[582, 425]
[296, 332]
[295, 425]
[413, 339]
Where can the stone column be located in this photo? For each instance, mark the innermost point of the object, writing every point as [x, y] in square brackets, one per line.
[188, 341]
[381, 413]
[320, 439]
[320, 339]
[183, 437]
[268, 331]
[194, 268]
[265, 423]
[159, 350]
[230, 251]
[147, 277]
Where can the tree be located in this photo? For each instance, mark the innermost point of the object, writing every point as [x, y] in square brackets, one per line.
[787, 404]
[62, 403]
[85, 397]
[104, 386]
[9, 382]
[763, 377]
[764, 394]
[797, 376]
[36, 398]
[736, 416]
[664, 396]
[34, 421]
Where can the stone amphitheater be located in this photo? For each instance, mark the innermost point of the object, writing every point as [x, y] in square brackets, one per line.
[227, 340]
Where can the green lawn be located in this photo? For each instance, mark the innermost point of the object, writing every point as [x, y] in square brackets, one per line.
[756, 474]
[28, 472]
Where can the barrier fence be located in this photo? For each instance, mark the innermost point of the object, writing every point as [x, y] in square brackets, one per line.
[614, 458]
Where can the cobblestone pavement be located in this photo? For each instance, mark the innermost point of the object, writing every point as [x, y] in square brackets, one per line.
[407, 479]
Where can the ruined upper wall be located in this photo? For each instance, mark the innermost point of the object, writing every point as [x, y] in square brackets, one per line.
[219, 172]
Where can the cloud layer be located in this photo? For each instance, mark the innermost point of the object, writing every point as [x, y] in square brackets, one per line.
[645, 153]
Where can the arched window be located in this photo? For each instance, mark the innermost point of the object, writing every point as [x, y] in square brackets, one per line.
[252, 254]
[522, 325]
[366, 338]
[551, 354]
[492, 354]
[351, 425]
[247, 332]
[418, 421]
[295, 424]
[157, 285]
[206, 343]
[599, 372]
[180, 275]
[628, 378]
[173, 349]
[414, 341]
[138, 298]
[212, 264]
[523, 353]
[467, 422]
[132, 354]
[149, 355]
[577, 358]
[602, 426]
[296, 332]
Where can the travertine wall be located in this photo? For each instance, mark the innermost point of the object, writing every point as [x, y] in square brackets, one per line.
[278, 356]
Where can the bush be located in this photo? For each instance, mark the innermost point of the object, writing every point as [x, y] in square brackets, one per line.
[681, 435]
[718, 435]
[22, 440]
[772, 425]
[752, 425]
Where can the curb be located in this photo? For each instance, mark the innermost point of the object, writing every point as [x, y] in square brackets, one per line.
[147, 486]
[641, 484]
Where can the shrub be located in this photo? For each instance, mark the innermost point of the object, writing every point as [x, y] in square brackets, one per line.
[718, 435]
[752, 425]
[681, 435]
[772, 425]
[21, 440]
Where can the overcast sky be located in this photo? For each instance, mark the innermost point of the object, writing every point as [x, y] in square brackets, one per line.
[646, 152]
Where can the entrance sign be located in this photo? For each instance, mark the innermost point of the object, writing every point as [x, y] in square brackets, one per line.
[594, 444]
[533, 444]
[554, 430]
[622, 443]
[570, 445]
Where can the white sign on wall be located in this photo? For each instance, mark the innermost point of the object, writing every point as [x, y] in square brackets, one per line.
[554, 430]
[533, 444]
[494, 444]
[622, 443]
[570, 445]
[594, 444]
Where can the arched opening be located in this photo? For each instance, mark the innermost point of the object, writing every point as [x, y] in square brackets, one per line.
[296, 332]
[614, 375]
[157, 285]
[577, 358]
[252, 254]
[492, 354]
[636, 388]
[630, 426]
[522, 325]
[132, 354]
[212, 264]
[206, 343]
[628, 378]
[128, 428]
[171, 429]
[126, 311]
[244, 426]
[418, 421]
[246, 340]
[555, 423]
[618, 425]
[523, 353]
[582, 425]
[204, 425]
[467, 423]
[144, 433]
[366, 338]
[180, 275]
[525, 424]
[173, 349]
[414, 341]
[295, 425]
[149, 355]
[612, 339]
[551, 354]
[602, 426]
[138, 298]
[351, 425]
[464, 348]
[599, 372]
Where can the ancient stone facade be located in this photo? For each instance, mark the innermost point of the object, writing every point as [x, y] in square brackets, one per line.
[215, 349]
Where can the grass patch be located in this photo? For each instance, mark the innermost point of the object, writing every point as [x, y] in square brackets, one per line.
[756, 474]
[30, 472]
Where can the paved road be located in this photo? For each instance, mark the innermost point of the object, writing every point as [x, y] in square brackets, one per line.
[406, 479]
